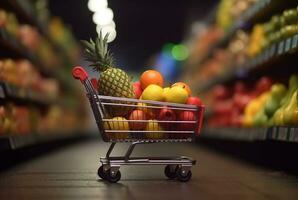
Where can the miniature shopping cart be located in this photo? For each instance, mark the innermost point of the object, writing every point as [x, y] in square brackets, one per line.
[142, 122]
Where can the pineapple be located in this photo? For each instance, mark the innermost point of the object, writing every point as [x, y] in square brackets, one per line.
[113, 81]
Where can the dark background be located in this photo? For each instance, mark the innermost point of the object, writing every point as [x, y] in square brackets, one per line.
[142, 26]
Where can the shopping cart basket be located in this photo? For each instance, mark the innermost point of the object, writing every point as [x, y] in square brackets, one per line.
[142, 122]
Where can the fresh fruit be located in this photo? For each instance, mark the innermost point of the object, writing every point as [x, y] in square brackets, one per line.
[166, 114]
[137, 89]
[278, 117]
[184, 86]
[113, 81]
[291, 111]
[194, 101]
[153, 125]
[151, 77]
[117, 123]
[150, 113]
[137, 115]
[264, 84]
[165, 92]
[187, 116]
[153, 92]
[176, 95]
[277, 92]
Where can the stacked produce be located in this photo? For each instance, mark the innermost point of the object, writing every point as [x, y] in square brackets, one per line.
[20, 120]
[12, 70]
[143, 116]
[231, 10]
[29, 37]
[262, 105]
[244, 46]
[36, 95]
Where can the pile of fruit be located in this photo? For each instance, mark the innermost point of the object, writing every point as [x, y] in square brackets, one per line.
[261, 105]
[140, 116]
[12, 70]
[20, 119]
[278, 28]
[245, 46]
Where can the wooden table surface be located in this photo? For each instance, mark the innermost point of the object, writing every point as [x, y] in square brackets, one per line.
[70, 173]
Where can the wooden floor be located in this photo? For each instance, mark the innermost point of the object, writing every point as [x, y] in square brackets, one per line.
[70, 173]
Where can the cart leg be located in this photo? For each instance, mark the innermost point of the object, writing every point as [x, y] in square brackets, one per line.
[130, 150]
[110, 150]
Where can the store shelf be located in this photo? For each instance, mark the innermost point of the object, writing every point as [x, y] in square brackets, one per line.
[13, 142]
[281, 134]
[275, 51]
[250, 15]
[26, 12]
[17, 94]
[14, 45]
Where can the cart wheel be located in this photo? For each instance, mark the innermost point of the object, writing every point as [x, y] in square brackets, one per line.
[101, 173]
[170, 173]
[183, 176]
[113, 178]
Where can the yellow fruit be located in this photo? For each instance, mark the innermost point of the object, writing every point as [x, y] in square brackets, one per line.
[153, 125]
[165, 92]
[176, 94]
[153, 92]
[118, 123]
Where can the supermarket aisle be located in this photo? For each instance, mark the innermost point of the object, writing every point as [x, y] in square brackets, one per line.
[70, 174]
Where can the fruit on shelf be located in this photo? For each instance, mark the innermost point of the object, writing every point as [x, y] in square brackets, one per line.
[176, 94]
[253, 107]
[151, 77]
[113, 81]
[256, 40]
[153, 92]
[137, 115]
[277, 92]
[291, 111]
[263, 85]
[118, 124]
[155, 127]
[291, 16]
[278, 117]
[184, 86]
[137, 89]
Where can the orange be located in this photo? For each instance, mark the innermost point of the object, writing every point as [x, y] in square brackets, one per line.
[184, 86]
[151, 77]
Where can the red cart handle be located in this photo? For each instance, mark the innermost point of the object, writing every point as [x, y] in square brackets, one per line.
[78, 72]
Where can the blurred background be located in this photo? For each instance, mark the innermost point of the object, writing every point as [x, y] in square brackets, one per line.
[238, 56]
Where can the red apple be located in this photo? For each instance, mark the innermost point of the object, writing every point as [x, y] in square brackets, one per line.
[137, 115]
[194, 101]
[186, 116]
[264, 84]
[137, 89]
[167, 114]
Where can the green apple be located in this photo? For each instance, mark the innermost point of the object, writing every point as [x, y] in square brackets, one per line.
[176, 94]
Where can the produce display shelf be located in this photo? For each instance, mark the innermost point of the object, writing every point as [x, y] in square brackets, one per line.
[10, 42]
[281, 134]
[13, 142]
[277, 50]
[18, 94]
[26, 12]
[249, 15]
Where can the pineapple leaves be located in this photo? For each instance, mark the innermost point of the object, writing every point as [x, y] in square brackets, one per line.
[96, 52]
